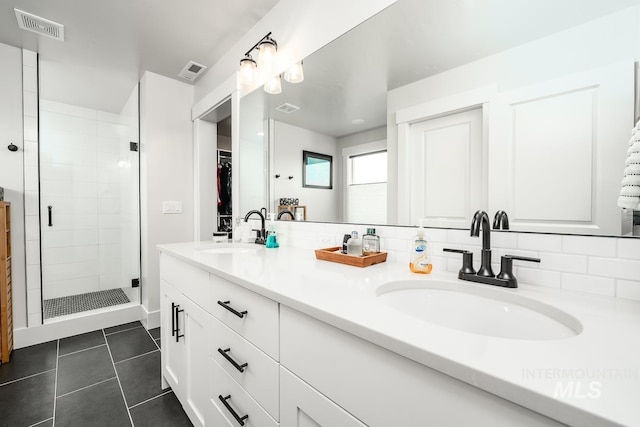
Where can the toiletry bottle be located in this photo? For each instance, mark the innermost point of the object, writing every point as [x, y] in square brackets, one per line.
[354, 245]
[370, 242]
[272, 240]
[419, 260]
[345, 239]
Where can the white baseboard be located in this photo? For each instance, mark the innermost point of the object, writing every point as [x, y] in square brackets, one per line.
[77, 324]
[150, 319]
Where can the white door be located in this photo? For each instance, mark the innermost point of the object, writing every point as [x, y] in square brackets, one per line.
[557, 151]
[446, 169]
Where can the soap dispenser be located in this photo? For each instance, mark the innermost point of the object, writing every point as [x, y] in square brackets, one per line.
[272, 239]
[420, 259]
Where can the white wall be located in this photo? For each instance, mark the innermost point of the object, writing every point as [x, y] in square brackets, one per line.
[11, 169]
[166, 144]
[610, 39]
[290, 141]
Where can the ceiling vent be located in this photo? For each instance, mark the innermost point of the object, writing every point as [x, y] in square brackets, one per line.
[38, 25]
[287, 108]
[192, 71]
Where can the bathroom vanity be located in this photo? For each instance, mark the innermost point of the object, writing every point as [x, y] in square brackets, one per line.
[261, 337]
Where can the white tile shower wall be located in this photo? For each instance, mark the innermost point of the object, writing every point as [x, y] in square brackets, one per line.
[605, 266]
[85, 165]
[31, 190]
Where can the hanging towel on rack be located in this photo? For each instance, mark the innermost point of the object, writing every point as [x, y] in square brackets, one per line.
[630, 191]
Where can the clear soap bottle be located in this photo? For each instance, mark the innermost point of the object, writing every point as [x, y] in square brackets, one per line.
[370, 242]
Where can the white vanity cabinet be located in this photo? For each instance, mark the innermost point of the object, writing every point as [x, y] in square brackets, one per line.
[381, 388]
[185, 335]
[245, 347]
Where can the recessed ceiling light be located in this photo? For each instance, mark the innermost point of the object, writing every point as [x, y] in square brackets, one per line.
[357, 121]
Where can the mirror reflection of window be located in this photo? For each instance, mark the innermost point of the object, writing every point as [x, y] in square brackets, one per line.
[366, 198]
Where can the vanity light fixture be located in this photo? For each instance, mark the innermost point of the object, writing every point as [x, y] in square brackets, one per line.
[267, 50]
[294, 73]
[273, 85]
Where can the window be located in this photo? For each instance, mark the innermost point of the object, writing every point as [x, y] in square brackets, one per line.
[317, 170]
[369, 168]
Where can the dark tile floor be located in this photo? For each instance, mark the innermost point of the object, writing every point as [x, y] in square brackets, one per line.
[109, 377]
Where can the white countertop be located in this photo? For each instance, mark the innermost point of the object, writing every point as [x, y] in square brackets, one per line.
[600, 366]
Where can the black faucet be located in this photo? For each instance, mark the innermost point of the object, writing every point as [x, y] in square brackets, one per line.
[481, 219]
[485, 275]
[501, 220]
[286, 212]
[262, 233]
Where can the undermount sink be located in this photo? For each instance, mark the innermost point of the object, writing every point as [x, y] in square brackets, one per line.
[479, 309]
[232, 248]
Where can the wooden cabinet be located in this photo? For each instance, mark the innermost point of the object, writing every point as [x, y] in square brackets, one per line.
[6, 300]
[185, 351]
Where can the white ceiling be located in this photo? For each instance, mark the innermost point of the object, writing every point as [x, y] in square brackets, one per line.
[109, 43]
[411, 40]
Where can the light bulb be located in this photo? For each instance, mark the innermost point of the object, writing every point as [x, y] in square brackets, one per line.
[267, 53]
[294, 73]
[273, 85]
[247, 69]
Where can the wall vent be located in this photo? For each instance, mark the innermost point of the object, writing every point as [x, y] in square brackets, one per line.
[192, 71]
[287, 108]
[38, 25]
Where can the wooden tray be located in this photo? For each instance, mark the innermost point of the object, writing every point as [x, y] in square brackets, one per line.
[334, 255]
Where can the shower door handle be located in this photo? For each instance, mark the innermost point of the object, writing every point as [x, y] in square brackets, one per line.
[50, 208]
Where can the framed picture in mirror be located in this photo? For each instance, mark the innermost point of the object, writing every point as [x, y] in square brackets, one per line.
[317, 170]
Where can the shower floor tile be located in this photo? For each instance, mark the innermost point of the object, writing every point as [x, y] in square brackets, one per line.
[63, 306]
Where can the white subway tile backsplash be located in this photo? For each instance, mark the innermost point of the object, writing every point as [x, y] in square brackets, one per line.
[462, 237]
[591, 284]
[588, 245]
[63, 222]
[540, 242]
[68, 189]
[629, 248]
[504, 239]
[76, 270]
[532, 276]
[68, 172]
[65, 238]
[563, 262]
[112, 281]
[628, 289]
[614, 267]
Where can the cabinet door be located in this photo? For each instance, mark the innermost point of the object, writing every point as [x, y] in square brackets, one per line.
[303, 406]
[173, 351]
[193, 325]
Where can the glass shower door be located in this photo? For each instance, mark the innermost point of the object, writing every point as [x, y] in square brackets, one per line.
[89, 205]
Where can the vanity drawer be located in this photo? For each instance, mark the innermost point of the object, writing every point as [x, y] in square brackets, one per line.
[189, 280]
[222, 385]
[259, 378]
[252, 316]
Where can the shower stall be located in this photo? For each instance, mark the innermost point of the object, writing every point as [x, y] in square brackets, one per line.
[89, 207]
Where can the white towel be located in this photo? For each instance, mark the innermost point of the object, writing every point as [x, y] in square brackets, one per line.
[630, 191]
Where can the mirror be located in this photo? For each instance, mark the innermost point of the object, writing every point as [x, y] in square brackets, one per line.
[551, 86]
